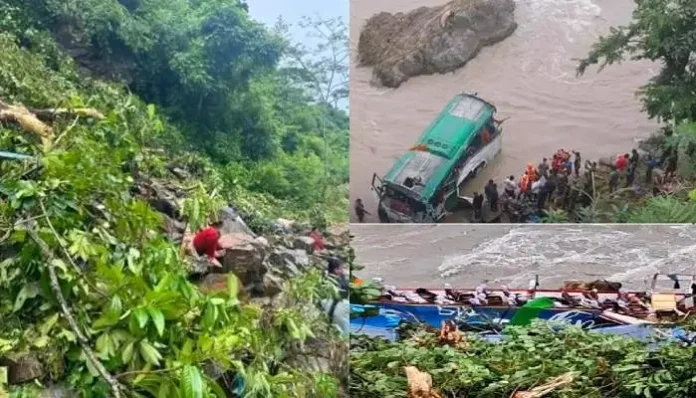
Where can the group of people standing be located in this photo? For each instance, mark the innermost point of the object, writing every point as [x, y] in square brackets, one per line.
[537, 183]
[551, 181]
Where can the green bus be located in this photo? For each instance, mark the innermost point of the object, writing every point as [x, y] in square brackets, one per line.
[423, 184]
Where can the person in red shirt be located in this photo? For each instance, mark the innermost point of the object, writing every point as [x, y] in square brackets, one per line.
[318, 240]
[622, 162]
[207, 242]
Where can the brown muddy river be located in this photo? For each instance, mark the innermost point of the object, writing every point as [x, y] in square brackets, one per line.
[530, 77]
[466, 255]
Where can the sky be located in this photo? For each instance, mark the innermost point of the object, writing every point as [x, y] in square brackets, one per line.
[292, 11]
[267, 11]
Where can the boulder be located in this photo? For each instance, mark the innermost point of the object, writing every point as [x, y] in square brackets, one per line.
[431, 40]
[262, 241]
[337, 235]
[272, 285]
[23, 367]
[244, 257]
[174, 229]
[305, 243]
[232, 222]
[199, 266]
[280, 257]
[283, 226]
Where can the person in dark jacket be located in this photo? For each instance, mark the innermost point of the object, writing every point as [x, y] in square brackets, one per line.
[360, 210]
[337, 271]
[492, 195]
[478, 205]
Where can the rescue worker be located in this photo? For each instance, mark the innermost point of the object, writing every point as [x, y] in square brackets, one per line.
[543, 167]
[207, 242]
[491, 191]
[338, 308]
[577, 163]
[510, 186]
[486, 135]
[318, 240]
[556, 163]
[635, 158]
[651, 165]
[613, 180]
[630, 175]
[360, 210]
[525, 184]
[478, 206]
[622, 162]
[532, 172]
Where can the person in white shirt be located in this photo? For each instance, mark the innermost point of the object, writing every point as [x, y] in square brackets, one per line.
[510, 186]
[537, 186]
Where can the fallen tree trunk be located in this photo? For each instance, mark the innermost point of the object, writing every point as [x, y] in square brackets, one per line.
[32, 120]
[20, 115]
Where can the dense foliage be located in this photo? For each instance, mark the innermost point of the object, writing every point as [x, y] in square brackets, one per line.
[231, 87]
[603, 365]
[88, 280]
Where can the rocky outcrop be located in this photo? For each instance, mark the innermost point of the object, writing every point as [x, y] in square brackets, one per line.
[432, 40]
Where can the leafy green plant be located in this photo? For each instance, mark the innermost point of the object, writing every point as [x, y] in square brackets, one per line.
[603, 365]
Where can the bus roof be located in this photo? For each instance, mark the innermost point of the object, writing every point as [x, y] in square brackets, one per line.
[442, 144]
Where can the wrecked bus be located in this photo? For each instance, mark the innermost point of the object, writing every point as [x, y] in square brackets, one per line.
[423, 184]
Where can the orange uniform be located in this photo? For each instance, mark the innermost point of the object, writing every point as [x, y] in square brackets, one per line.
[525, 183]
[532, 172]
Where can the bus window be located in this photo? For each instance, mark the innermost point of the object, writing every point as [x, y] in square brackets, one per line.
[486, 135]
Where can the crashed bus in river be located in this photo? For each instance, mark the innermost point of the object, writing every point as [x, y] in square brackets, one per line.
[423, 185]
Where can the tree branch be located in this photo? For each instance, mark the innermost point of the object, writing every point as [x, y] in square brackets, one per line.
[65, 252]
[65, 309]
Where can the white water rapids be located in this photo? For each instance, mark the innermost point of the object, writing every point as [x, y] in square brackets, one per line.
[466, 255]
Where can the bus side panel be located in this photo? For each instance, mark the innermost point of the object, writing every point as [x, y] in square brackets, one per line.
[486, 155]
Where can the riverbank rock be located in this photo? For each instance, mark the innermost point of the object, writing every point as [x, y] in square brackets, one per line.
[431, 40]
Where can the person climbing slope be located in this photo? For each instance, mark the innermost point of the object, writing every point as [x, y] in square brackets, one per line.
[207, 242]
[318, 240]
